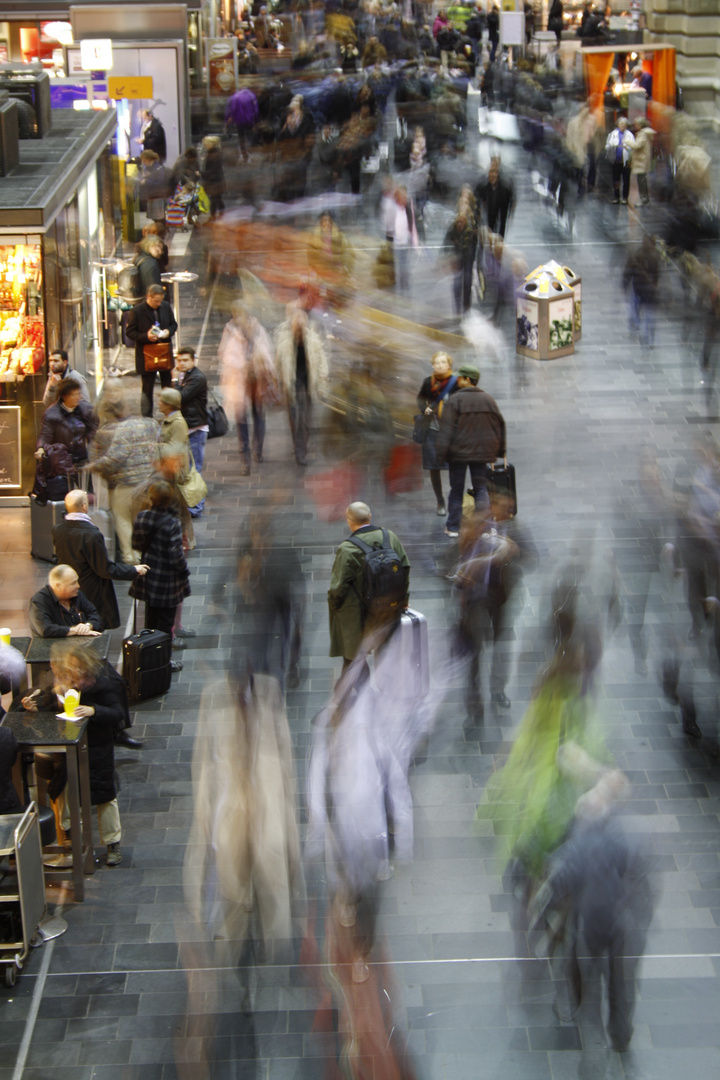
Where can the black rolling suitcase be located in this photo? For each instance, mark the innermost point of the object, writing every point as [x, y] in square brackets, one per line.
[501, 479]
[43, 518]
[146, 664]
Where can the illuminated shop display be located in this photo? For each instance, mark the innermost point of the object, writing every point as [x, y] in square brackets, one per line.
[22, 328]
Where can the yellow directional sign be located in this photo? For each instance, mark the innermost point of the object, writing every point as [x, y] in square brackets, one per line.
[134, 87]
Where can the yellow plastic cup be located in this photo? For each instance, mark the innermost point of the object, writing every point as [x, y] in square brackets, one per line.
[5, 635]
[72, 700]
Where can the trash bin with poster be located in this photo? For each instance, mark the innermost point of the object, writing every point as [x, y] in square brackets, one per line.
[545, 317]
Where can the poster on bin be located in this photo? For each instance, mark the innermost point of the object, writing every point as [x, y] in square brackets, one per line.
[527, 323]
[562, 315]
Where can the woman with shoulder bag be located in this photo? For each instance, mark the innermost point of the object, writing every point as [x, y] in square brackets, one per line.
[434, 391]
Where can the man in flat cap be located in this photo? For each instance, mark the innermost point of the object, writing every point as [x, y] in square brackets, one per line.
[472, 435]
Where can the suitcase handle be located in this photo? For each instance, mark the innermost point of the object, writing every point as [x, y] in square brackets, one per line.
[492, 467]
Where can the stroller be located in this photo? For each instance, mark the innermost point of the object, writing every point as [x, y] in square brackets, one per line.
[189, 206]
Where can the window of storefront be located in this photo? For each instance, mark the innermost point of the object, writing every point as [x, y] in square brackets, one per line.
[22, 328]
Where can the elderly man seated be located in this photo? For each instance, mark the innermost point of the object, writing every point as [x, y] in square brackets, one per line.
[60, 609]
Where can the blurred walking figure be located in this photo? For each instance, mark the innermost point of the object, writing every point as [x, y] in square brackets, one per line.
[242, 875]
[401, 230]
[461, 240]
[493, 549]
[273, 587]
[496, 193]
[606, 878]
[532, 795]
[359, 807]
[641, 276]
[699, 540]
[302, 368]
[247, 375]
[127, 461]
[642, 157]
[435, 390]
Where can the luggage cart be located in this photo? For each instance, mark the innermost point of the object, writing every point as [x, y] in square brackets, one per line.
[22, 890]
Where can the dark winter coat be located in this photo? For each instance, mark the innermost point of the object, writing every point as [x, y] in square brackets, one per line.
[71, 429]
[213, 175]
[193, 391]
[154, 138]
[142, 319]
[150, 271]
[158, 535]
[80, 544]
[48, 617]
[472, 428]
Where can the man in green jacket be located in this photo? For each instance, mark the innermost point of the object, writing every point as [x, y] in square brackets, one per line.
[347, 617]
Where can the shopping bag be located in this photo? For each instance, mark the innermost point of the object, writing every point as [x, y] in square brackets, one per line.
[404, 470]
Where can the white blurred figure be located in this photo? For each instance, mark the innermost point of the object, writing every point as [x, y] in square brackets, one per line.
[242, 875]
[358, 795]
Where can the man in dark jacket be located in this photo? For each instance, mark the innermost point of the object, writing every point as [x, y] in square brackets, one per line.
[192, 384]
[153, 134]
[80, 544]
[151, 323]
[472, 434]
[497, 194]
[61, 610]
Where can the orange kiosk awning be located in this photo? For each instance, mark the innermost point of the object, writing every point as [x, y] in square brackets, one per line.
[656, 58]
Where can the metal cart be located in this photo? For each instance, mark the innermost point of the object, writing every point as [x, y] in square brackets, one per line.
[22, 890]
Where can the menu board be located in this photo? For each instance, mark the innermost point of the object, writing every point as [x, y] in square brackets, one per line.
[10, 472]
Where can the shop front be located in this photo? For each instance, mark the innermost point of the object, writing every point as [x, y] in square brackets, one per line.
[57, 234]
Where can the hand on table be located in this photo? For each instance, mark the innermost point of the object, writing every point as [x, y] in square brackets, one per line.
[82, 711]
[85, 629]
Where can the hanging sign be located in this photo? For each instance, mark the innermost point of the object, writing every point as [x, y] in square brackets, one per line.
[130, 87]
[96, 54]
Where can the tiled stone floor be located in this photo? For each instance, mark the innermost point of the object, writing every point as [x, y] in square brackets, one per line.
[109, 999]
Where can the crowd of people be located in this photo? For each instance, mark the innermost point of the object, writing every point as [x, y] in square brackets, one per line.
[555, 803]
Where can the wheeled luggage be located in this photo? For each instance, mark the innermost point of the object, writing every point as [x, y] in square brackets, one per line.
[501, 479]
[43, 519]
[402, 664]
[146, 664]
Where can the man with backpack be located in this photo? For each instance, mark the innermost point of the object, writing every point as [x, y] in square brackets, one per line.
[369, 587]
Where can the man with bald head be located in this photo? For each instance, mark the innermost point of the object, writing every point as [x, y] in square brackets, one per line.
[80, 544]
[349, 618]
[61, 610]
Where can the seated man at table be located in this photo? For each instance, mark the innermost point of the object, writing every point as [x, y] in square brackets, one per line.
[60, 609]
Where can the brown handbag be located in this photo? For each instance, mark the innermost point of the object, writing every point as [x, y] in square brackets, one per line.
[157, 356]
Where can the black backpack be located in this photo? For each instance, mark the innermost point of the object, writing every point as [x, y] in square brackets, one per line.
[384, 580]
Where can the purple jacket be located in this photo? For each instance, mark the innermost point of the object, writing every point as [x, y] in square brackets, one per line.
[242, 109]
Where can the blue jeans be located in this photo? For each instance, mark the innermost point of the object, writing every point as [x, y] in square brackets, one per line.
[478, 479]
[197, 440]
[642, 319]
